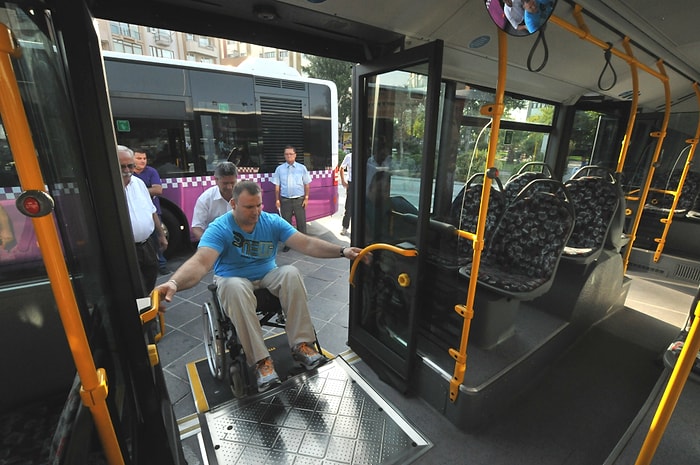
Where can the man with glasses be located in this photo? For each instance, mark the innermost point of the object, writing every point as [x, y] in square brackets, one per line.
[292, 182]
[144, 220]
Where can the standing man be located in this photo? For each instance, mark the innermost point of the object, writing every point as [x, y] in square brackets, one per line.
[144, 220]
[292, 180]
[346, 165]
[242, 246]
[151, 179]
[214, 201]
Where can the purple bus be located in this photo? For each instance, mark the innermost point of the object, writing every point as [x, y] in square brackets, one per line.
[189, 117]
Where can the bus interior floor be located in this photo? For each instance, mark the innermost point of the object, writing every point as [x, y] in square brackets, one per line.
[619, 341]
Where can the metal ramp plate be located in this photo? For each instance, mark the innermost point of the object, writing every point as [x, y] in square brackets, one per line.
[329, 416]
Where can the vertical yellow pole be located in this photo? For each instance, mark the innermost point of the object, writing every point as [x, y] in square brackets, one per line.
[94, 383]
[467, 311]
[633, 110]
[679, 376]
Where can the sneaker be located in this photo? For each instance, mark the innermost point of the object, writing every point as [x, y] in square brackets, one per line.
[344, 232]
[306, 355]
[265, 374]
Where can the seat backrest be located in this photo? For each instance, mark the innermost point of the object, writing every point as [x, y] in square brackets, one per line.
[516, 183]
[668, 180]
[596, 202]
[527, 244]
[464, 215]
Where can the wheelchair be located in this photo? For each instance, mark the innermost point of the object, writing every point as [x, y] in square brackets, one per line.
[220, 337]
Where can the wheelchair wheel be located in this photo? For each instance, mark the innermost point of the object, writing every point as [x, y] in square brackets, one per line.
[237, 380]
[214, 341]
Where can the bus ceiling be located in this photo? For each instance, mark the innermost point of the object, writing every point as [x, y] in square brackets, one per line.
[358, 31]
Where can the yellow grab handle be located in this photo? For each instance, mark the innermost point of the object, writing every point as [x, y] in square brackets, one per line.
[379, 246]
[154, 312]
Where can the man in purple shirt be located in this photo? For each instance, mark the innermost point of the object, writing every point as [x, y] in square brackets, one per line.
[151, 178]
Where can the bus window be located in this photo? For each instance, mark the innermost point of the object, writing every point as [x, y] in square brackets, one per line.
[227, 138]
[592, 142]
[523, 136]
[164, 141]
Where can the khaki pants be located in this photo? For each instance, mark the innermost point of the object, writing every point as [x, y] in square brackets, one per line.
[239, 302]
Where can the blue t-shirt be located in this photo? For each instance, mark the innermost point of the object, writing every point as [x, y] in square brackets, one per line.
[242, 254]
[533, 21]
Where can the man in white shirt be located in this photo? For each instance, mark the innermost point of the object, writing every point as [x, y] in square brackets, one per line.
[292, 184]
[515, 13]
[216, 200]
[346, 181]
[144, 220]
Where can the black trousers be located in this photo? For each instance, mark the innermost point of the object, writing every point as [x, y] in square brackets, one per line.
[348, 206]
[147, 257]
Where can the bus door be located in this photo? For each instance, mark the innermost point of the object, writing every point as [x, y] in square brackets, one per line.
[59, 143]
[394, 141]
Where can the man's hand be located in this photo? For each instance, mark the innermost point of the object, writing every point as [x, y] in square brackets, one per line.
[167, 290]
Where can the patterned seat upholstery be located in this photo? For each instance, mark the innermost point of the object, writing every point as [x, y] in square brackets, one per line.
[528, 172]
[515, 184]
[661, 203]
[596, 201]
[454, 251]
[526, 247]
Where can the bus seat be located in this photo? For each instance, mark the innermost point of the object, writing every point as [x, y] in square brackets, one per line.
[596, 201]
[668, 180]
[524, 252]
[451, 251]
[616, 238]
[523, 177]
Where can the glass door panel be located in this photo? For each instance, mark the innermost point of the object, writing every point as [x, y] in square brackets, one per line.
[395, 139]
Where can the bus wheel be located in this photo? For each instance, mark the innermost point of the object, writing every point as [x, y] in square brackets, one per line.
[174, 232]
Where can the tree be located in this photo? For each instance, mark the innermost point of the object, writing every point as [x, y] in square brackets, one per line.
[339, 72]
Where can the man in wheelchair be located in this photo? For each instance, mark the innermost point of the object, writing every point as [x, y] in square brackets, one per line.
[242, 246]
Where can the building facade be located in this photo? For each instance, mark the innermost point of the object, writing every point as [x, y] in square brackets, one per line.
[142, 40]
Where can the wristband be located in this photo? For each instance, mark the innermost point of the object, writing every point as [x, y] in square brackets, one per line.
[174, 282]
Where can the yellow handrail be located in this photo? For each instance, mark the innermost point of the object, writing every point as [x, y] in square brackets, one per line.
[670, 397]
[94, 389]
[661, 241]
[153, 313]
[378, 246]
[466, 311]
[633, 110]
[582, 31]
[660, 135]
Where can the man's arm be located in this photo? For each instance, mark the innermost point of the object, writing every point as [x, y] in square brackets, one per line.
[199, 218]
[189, 273]
[155, 189]
[197, 232]
[306, 195]
[342, 177]
[7, 238]
[315, 247]
[277, 196]
[162, 240]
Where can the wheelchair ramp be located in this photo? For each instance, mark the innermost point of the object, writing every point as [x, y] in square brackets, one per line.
[329, 415]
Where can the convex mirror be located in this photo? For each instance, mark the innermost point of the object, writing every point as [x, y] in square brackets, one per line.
[520, 17]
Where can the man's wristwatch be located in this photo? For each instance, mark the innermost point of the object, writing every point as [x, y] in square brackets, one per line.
[342, 252]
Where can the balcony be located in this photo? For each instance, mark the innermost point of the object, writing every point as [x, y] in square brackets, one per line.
[163, 38]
